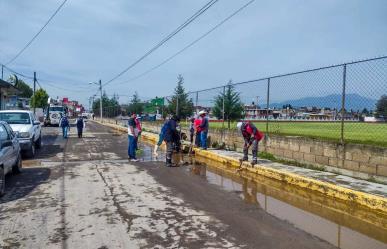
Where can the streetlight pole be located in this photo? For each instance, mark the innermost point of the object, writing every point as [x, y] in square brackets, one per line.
[100, 100]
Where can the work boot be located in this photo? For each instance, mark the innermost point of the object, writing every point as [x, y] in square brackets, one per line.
[254, 162]
[169, 162]
[245, 158]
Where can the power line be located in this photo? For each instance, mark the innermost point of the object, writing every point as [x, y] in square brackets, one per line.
[39, 84]
[189, 45]
[67, 89]
[181, 27]
[54, 82]
[47, 82]
[17, 73]
[37, 34]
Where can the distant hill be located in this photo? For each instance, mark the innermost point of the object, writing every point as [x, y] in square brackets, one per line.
[352, 101]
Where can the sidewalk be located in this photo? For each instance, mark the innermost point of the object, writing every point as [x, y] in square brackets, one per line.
[369, 194]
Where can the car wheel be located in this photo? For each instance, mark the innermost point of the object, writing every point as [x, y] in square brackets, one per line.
[17, 168]
[2, 181]
[39, 142]
[31, 151]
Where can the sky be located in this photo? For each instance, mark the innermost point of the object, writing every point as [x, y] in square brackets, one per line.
[90, 40]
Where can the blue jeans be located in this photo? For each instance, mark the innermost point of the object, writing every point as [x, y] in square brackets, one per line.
[64, 131]
[132, 147]
[197, 139]
[203, 139]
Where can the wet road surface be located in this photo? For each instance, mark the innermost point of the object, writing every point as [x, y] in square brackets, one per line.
[83, 193]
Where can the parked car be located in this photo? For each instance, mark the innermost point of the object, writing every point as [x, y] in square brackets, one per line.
[85, 116]
[10, 158]
[27, 128]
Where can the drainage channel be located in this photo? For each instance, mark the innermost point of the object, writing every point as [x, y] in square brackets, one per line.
[342, 224]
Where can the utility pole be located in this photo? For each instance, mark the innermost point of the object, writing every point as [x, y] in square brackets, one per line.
[34, 98]
[2, 71]
[100, 100]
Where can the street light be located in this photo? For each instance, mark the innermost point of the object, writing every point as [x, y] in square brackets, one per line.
[100, 100]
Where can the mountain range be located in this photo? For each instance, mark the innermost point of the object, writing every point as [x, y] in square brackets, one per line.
[352, 101]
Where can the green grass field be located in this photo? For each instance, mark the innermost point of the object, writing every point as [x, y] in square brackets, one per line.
[360, 133]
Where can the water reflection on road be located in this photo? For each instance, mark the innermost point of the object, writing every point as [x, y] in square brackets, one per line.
[339, 223]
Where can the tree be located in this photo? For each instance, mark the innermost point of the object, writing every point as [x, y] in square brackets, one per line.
[180, 99]
[26, 90]
[233, 106]
[365, 111]
[135, 106]
[40, 99]
[111, 107]
[381, 107]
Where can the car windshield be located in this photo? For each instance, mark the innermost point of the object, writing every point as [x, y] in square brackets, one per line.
[15, 118]
[56, 109]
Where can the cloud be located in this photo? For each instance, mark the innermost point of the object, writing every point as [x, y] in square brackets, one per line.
[91, 40]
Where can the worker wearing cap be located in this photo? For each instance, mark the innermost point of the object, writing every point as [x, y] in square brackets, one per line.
[252, 136]
[203, 129]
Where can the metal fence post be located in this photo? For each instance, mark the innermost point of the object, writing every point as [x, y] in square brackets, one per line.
[196, 102]
[223, 116]
[343, 103]
[267, 105]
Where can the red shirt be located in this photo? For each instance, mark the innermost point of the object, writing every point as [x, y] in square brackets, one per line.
[197, 124]
[250, 130]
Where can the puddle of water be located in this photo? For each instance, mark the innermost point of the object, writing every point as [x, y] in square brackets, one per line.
[145, 154]
[341, 224]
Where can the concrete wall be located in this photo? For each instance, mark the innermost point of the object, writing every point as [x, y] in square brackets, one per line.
[351, 159]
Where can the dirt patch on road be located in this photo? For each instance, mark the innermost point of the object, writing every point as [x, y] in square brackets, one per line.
[32, 163]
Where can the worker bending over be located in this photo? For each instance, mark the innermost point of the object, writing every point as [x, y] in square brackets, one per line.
[252, 136]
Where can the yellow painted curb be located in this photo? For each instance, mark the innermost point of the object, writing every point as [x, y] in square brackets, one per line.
[328, 189]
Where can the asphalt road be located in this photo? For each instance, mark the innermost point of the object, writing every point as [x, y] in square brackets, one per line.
[83, 193]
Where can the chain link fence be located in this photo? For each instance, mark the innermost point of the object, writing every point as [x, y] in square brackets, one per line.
[346, 103]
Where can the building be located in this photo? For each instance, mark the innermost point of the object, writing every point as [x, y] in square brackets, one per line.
[255, 112]
[73, 107]
[7, 91]
[18, 103]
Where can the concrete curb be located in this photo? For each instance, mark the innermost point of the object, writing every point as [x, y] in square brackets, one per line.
[328, 189]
